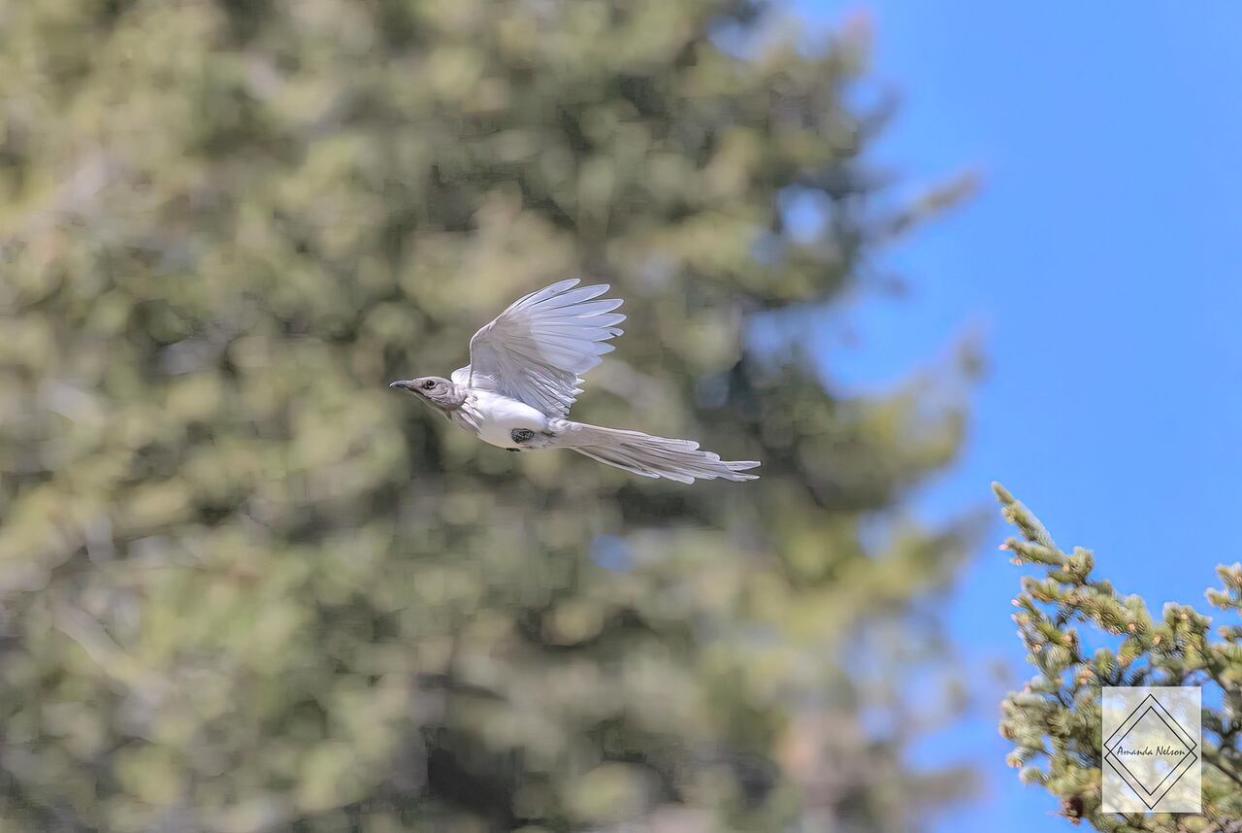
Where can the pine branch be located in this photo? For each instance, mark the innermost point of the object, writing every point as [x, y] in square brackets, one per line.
[1054, 720]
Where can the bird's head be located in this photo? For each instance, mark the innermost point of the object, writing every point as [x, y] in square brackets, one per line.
[439, 393]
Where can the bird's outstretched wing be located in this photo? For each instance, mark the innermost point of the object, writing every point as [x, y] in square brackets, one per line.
[537, 350]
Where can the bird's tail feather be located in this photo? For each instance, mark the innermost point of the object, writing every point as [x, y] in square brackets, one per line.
[648, 456]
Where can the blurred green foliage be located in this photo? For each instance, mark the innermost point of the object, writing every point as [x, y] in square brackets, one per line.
[244, 587]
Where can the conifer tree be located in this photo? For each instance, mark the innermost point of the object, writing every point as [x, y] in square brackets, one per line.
[1054, 722]
[244, 587]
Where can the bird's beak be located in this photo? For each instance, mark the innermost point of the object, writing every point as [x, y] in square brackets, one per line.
[402, 384]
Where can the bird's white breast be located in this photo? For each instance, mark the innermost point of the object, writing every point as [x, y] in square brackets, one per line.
[496, 416]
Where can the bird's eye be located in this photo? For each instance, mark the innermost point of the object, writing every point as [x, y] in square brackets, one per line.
[427, 385]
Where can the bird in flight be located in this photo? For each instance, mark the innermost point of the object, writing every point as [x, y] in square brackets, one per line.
[525, 372]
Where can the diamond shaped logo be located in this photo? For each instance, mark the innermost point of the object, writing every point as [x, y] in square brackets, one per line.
[1151, 750]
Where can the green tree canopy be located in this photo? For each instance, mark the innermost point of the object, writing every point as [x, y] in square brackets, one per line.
[244, 587]
[1054, 721]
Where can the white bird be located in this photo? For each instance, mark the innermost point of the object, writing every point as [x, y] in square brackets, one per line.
[525, 372]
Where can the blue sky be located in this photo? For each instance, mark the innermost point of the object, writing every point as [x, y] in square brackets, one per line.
[1100, 261]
